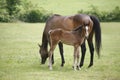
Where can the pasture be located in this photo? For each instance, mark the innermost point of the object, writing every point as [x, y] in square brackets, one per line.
[20, 60]
[69, 7]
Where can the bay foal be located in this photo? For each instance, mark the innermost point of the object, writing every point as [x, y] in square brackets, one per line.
[74, 38]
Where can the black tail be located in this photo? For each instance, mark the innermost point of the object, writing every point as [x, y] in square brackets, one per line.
[97, 30]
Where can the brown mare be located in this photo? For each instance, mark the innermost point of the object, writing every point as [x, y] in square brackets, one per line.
[69, 23]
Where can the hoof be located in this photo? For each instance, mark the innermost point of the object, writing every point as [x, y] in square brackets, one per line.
[78, 68]
[50, 68]
[62, 64]
[81, 65]
[75, 69]
[90, 65]
[52, 62]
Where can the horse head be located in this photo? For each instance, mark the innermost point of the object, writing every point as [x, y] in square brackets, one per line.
[43, 53]
[83, 29]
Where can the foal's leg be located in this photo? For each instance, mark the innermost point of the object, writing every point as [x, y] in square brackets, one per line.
[83, 51]
[52, 47]
[52, 54]
[76, 58]
[50, 58]
[61, 53]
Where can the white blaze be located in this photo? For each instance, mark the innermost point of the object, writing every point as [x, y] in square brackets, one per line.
[49, 31]
[86, 31]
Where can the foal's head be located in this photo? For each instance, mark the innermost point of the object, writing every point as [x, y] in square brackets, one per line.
[83, 30]
[86, 31]
[43, 53]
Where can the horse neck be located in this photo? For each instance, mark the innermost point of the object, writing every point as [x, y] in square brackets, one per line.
[44, 42]
[79, 33]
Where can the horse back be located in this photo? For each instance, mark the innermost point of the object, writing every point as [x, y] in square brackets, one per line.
[58, 21]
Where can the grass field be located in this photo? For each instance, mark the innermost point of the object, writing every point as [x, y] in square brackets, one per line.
[69, 7]
[20, 60]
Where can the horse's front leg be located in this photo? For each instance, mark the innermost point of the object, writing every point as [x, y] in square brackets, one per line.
[50, 59]
[61, 53]
[76, 57]
[52, 47]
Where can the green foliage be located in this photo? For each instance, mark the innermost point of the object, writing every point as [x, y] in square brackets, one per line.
[33, 13]
[28, 11]
[23, 10]
[103, 15]
[4, 17]
[34, 16]
[9, 10]
[12, 6]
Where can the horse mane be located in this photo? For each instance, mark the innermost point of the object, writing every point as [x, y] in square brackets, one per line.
[77, 18]
[78, 28]
[56, 15]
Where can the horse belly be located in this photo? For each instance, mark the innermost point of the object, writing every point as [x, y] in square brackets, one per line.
[69, 40]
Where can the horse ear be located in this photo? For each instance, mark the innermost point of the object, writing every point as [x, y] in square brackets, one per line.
[39, 45]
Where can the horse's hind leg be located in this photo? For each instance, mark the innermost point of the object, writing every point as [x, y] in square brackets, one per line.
[91, 48]
[61, 53]
[53, 59]
[83, 51]
[78, 68]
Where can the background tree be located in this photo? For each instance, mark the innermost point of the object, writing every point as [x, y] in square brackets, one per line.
[4, 15]
[12, 6]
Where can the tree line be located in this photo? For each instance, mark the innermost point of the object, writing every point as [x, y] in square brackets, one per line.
[104, 16]
[23, 10]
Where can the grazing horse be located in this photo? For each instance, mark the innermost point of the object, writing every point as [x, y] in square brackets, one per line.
[69, 23]
[74, 38]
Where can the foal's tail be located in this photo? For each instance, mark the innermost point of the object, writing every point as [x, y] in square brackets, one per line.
[97, 30]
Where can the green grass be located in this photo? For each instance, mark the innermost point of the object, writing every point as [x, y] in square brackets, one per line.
[70, 7]
[20, 60]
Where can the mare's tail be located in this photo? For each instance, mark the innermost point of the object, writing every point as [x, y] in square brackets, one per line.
[97, 30]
